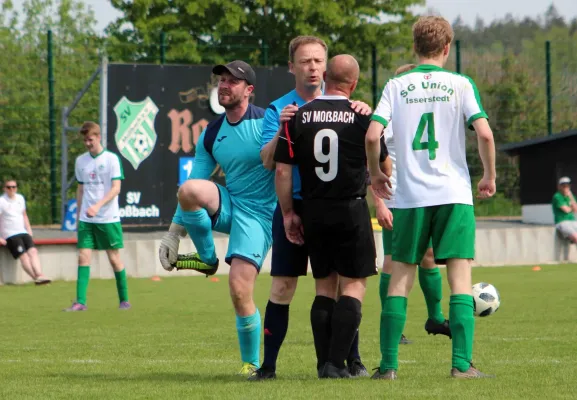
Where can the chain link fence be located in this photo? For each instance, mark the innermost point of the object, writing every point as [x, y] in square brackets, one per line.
[527, 92]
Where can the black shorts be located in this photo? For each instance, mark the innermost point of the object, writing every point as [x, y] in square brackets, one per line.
[339, 235]
[288, 259]
[19, 244]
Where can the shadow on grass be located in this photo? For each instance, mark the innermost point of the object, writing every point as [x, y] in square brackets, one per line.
[183, 377]
[149, 377]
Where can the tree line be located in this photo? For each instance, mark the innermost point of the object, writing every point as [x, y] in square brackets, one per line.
[506, 57]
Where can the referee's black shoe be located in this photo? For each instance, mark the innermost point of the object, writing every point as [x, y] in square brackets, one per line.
[262, 374]
[331, 371]
[356, 368]
[435, 328]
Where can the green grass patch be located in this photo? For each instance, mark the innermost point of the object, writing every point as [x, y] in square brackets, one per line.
[179, 341]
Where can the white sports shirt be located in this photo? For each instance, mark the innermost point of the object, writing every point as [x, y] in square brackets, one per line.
[12, 215]
[96, 175]
[390, 142]
[429, 109]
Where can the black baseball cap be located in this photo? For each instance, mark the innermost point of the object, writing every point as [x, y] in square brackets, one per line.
[237, 68]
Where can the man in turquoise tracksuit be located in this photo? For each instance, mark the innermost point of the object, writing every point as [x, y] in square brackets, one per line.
[243, 209]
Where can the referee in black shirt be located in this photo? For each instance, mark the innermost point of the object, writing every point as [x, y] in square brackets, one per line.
[326, 139]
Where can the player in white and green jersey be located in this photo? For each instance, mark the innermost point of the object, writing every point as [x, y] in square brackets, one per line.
[430, 279]
[429, 109]
[98, 173]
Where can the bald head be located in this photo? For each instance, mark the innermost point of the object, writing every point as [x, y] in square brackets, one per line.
[342, 74]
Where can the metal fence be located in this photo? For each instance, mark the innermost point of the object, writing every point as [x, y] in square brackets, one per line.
[527, 93]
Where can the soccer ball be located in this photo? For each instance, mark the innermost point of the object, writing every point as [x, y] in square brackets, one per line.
[486, 299]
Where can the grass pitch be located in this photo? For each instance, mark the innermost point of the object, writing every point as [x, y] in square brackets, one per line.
[179, 341]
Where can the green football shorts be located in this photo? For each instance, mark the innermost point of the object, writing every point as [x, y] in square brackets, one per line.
[100, 236]
[388, 238]
[450, 227]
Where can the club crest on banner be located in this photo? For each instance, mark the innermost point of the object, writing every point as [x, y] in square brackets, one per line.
[135, 134]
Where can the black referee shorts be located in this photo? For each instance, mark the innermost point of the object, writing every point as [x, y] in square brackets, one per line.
[339, 236]
[288, 259]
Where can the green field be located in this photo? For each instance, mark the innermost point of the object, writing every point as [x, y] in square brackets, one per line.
[179, 341]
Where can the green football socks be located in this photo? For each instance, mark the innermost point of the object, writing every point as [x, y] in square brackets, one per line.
[462, 324]
[121, 285]
[432, 286]
[383, 289]
[82, 283]
[393, 319]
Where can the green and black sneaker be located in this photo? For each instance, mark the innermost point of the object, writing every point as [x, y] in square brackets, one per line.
[193, 262]
[436, 328]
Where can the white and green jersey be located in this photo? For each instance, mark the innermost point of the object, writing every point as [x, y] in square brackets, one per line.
[96, 175]
[390, 142]
[428, 109]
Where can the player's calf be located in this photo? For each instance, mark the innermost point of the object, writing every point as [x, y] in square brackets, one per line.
[275, 324]
[241, 280]
[346, 320]
[248, 322]
[84, 256]
[321, 316]
[431, 284]
[402, 279]
[394, 314]
[120, 277]
[114, 259]
[288, 262]
[283, 289]
[430, 281]
[461, 313]
[384, 288]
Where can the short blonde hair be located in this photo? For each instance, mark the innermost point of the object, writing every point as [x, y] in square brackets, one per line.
[301, 41]
[405, 68]
[430, 35]
[90, 128]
